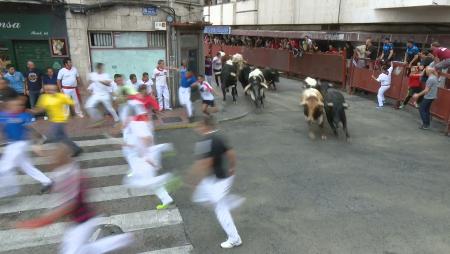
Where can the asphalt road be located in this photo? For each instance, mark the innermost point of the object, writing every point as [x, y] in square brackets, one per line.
[386, 191]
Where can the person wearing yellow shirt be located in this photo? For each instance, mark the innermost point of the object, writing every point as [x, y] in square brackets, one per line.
[55, 105]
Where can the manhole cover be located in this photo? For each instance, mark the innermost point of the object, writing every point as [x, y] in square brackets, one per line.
[173, 119]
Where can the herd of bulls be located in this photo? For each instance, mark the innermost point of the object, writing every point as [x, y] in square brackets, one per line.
[319, 99]
[254, 81]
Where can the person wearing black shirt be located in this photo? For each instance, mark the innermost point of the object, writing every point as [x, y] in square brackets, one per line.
[217, 162]
[33, 83]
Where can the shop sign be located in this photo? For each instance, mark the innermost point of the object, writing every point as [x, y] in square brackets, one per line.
[24, 26]
[217, 30]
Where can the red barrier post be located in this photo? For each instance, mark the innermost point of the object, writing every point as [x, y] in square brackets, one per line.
[441, 107]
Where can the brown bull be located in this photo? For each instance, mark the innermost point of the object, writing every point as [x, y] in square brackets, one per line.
[312, 102]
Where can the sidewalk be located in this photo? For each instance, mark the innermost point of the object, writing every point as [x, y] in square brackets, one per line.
[79, 127]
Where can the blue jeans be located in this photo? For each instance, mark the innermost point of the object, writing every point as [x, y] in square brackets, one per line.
[34, 96]
[58, 134]
[424, 111]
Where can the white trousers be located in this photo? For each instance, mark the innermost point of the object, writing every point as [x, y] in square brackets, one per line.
[14, 156]
[144, 175]
[209, 79]
[215, 192]
[92, 103]
[163, 97]
[72, 93]
[184, 94]
[380, 95]
[76, 239]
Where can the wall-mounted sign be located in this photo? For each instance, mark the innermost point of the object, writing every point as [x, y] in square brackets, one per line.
[150, 11]
[25, 26]
[217, 30]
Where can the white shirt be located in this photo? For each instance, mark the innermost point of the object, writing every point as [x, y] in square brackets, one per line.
[148, 83]
[134, 85]
[96, 86]
[160, 77]
[68, 77]
[217, 63]
[206, 91]
[384, 79]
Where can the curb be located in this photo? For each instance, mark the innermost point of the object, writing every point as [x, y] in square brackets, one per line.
[192, 125]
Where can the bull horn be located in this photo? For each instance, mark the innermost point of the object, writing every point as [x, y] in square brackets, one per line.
[345, 105]
[265, 85]
[247, 87]
[330, 104]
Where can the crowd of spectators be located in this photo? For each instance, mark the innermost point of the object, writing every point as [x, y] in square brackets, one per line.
[305, 44]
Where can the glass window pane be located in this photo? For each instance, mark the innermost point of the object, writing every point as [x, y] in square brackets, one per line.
[131, 40]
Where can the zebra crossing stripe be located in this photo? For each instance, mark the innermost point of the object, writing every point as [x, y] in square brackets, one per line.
[92, 143]
[14, 239]
[175, 250]
[46, 201]
[84, 157]
[89, 172]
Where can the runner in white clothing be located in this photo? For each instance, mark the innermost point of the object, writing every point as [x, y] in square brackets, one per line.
[385, 83]
[162, 89]
[100, 87]
[147, 82]
[69, 81]
[207, 92]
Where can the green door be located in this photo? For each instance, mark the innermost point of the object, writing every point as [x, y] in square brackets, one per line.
[36, 51]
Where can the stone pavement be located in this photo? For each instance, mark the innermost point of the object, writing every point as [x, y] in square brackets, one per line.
[78, 127]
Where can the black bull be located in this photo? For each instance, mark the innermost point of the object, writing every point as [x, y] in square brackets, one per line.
[256, 89]
[228, 79]
[271, 76]
[335, 110]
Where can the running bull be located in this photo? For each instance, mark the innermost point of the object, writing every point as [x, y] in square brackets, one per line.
[256, 86]
[229, 77]
[334, 104]
[313, 105]
[272, 76]
[335, 107]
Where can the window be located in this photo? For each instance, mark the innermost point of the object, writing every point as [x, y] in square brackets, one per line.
[127, 40]
[158, 39]
[101, 40]
[131, 40]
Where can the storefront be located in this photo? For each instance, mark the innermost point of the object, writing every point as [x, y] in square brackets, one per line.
[32, 32]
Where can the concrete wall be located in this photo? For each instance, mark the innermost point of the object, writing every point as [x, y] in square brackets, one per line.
[119, 18]
[281, 12]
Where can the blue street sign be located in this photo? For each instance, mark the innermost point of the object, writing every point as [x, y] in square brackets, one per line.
[217, 30]
[150, 11]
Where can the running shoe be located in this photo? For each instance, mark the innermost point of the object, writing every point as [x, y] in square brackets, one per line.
[230, 244]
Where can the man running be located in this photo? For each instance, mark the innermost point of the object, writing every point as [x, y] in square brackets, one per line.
[55, 105]
[69, 82]
[100, 87]
[71, 185]
[184, 92]
[214, 189]
[217, 67]
[14, 125]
